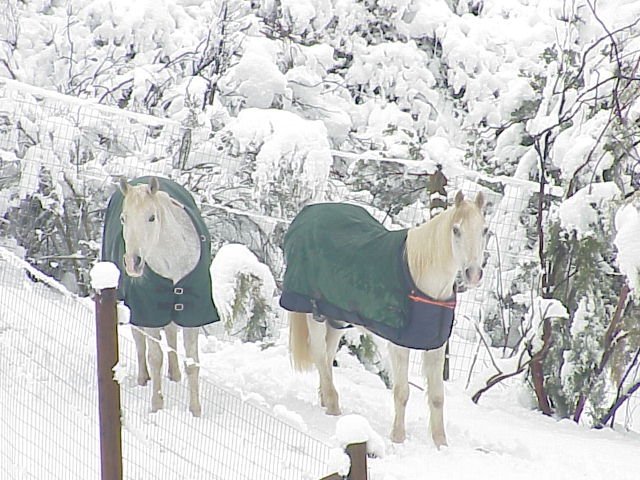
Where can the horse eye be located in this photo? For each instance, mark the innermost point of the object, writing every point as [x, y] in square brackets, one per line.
[122, 219]
[485, 230]
[152, 218]
[456, 230]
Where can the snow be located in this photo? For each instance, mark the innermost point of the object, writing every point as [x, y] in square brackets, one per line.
[581, 212]
[258, 80]
[627, 223]
[288, 148]
[501, 437]
[355, 428]
[104, 275]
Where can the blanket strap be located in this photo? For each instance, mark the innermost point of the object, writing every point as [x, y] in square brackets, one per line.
[414, 297]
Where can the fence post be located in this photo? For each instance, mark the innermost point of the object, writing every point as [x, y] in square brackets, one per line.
[107, 358]
[437, 204]
[358, 454]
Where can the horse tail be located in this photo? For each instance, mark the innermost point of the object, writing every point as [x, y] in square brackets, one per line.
[299, 342]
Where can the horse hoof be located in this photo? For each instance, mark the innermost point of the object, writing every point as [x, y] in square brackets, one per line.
[196, 411]
[398, 437]
[156, 404]
[142, 381]
[175, 376]
[335, 411]
[440, 442]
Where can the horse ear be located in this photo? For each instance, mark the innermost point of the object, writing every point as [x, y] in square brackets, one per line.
[154, 185]
[459, 198]
[123, 185]
[480, 200]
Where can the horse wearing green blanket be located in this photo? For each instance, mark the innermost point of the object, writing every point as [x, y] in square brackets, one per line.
[155, 235]
[345, 266]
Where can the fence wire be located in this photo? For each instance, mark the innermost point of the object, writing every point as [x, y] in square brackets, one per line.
[233, 439]
[49, 414]
[48, 391]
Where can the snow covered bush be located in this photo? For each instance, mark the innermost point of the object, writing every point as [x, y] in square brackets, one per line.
[370, 352]
[284, 157]
[243, 290]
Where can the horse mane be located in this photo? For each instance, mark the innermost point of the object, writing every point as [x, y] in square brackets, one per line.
[137, 196]
[428, 247]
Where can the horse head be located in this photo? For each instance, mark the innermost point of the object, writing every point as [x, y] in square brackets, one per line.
[141, 223]
[468, 237]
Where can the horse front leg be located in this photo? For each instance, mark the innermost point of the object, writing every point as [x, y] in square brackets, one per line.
[400, 371]
[192, 367]
[155, 367]
[140, 340]
[433, 365]
[171, 331]
[324, 363]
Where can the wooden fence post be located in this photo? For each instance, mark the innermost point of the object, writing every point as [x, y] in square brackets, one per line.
[358, 454]
[108, 387]
[437, 204]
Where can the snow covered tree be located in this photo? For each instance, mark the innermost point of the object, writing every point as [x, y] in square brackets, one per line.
[575, 132]
[243, 290]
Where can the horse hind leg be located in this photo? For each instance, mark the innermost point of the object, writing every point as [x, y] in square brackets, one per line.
[155, 367]
[171, 331]
[333, 337]
[400, 368]
[192, 368]
[323, 360]
[433, 364]
[140, 340]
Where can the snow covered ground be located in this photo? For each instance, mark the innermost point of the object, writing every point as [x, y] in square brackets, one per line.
[261, 420]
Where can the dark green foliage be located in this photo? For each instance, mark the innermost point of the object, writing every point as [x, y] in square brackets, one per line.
[582, 279]
[367, 352]
[58, 234]
[250, 310]
[389, 184]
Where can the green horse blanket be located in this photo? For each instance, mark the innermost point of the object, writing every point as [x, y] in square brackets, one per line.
[345, 265]
[155, 301]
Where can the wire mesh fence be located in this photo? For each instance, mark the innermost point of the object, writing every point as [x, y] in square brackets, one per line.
[233, 439]
[48, 386]
[49, 401]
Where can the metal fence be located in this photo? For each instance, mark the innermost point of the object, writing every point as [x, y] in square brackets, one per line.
[49, 414]
[48, 393]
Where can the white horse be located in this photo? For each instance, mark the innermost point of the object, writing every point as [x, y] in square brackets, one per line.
[159, 234]
[436, 251]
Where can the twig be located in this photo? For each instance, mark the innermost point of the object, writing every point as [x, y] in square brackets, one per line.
[619, 403]
[493, 381]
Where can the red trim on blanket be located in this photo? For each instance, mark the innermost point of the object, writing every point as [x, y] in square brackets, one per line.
[445, 304]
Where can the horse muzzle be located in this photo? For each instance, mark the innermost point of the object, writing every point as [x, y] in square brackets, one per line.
[472, 276]
[133, 265]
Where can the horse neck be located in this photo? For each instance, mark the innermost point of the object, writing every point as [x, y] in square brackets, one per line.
[177, 252]
[430, 258]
